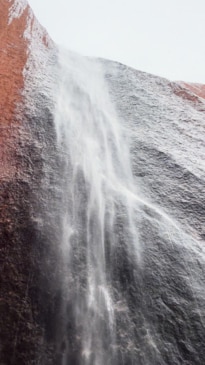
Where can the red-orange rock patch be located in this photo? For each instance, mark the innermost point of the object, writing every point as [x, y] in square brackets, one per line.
[197, 89]
[13, 56]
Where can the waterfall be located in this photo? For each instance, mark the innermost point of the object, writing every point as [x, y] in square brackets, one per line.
[124, 258]
[99, 186]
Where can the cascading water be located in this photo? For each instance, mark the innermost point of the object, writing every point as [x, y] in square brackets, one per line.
[100, 184]
[125, 261]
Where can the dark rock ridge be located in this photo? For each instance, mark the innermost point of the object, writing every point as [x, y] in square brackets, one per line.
[167, 122]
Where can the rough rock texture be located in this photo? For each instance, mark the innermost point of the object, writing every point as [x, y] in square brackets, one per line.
[189, 93]
[13, 57]
[30, 194]
[198, 89]
[29, 292]
[166, 121]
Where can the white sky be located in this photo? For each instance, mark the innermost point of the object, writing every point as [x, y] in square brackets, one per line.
[163, 37]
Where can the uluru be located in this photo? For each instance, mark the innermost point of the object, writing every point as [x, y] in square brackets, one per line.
[102, 207]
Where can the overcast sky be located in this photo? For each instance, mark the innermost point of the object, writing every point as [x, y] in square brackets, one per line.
[163, 37]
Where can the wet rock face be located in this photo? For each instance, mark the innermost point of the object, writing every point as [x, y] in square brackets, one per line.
[29, 287]
[31, 317]
[167, 123]
[13, 56]
[30, 290]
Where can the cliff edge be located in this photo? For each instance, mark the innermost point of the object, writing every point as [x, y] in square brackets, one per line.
[29, 292]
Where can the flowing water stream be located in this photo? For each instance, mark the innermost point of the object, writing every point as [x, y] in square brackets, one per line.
[133, 277]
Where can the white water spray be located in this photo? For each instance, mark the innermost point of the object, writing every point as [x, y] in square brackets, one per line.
[125, 259]
[99, 181]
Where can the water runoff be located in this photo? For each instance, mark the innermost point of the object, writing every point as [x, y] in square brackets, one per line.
[121, 254]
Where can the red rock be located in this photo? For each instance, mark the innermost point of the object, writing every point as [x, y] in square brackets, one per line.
[14, 53]
[197, 89]
[13, 57]
[21, 250]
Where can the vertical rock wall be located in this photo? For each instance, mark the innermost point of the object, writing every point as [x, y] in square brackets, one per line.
[29, 288]
[13, 57]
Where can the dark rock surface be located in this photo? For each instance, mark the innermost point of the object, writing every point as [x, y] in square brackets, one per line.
[30, 269]
[30, 296]
[164, 295]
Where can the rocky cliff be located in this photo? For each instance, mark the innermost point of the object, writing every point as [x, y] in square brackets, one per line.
[28, 291]
[166, 121]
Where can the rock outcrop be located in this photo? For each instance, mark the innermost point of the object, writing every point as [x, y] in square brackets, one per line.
[32, 328]
[13, 58]
[197, 89]
[29, 295]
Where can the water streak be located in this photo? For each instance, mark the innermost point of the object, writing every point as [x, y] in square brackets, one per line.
[100, 183]
[132, 273]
